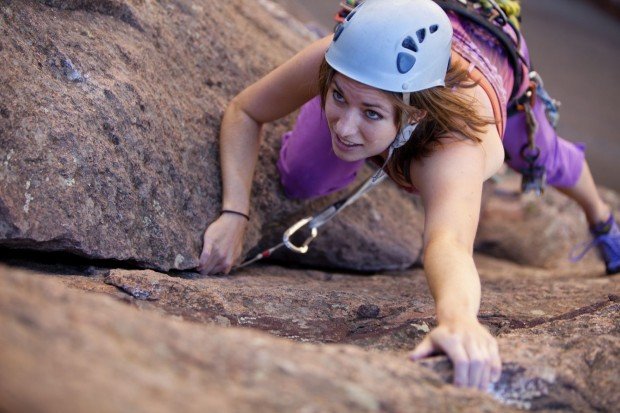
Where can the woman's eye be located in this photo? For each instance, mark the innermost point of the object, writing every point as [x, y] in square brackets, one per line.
[371, 114]
[337, 96]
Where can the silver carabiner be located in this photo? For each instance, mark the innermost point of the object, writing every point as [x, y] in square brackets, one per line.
[293, 229]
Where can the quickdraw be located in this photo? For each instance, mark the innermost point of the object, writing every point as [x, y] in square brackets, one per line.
[533, 176]
[315, 222]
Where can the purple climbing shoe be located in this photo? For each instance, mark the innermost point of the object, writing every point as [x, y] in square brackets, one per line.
[607, 239]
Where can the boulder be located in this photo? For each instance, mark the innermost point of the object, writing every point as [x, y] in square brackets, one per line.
[537, 231]
[109, 116]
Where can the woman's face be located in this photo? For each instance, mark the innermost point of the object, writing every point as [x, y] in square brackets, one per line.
[360, 118]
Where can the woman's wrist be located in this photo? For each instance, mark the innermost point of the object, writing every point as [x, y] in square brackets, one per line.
[233, 219]
[236, 213]
[454, 315]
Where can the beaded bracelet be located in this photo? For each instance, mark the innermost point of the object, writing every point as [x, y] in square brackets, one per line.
[230, 211]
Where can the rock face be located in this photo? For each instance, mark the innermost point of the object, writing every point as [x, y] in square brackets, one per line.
[109, 114]
[109, 118]
[109, 357]
[182, 340]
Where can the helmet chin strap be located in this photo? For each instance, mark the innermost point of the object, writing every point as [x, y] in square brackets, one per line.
[402, 137]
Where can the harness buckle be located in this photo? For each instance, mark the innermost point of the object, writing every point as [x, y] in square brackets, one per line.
[529, 96]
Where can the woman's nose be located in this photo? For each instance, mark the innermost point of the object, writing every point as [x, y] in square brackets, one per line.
[346, 124]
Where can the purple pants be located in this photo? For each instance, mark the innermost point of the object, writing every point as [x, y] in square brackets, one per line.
[309, 168]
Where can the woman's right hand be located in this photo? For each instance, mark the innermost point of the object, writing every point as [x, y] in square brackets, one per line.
[222, 244]
[471, 348]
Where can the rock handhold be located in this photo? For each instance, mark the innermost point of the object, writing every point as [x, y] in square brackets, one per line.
[368, 311]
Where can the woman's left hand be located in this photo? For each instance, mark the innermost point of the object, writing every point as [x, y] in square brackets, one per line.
[471, 348]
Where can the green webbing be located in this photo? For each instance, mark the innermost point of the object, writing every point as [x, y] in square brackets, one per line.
[512, 8]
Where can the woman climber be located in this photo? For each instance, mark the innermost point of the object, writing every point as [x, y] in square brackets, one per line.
[423, 92]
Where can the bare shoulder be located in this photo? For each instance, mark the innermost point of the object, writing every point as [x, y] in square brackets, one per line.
[490, 139]
[459, 161]
[480, 99]
[287, 87]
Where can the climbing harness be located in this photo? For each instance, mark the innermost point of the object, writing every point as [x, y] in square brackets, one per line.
[313, 223]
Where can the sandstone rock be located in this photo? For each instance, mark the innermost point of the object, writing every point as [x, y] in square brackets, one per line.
[109, 116]
[558, 337]
[570, 363]
[305, 305]
[71, 351]
[324, 307]
[549, 323]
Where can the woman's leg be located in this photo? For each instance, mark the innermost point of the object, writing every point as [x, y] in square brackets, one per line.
[308, 165]
[568, 171]
[585, 194]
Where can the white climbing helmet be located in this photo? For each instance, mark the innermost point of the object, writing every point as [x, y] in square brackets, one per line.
[394, 45]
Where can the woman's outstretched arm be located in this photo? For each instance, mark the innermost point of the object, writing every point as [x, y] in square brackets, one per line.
[450, 183]
[277, 94]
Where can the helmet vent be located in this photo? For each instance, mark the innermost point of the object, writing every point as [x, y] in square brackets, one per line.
[421, 35]
[338, 31]
[409, 43]
[433, 28]
[405, 62]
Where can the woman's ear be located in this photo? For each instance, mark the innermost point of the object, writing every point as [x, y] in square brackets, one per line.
[416, 115]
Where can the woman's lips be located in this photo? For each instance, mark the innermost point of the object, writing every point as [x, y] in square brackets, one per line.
[344, 144]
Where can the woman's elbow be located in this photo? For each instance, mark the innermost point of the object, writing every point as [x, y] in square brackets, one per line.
[446, 243]
[237, 110]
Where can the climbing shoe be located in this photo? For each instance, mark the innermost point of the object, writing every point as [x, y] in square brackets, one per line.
[606, 237]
